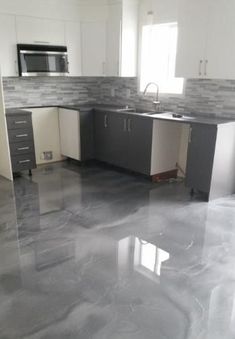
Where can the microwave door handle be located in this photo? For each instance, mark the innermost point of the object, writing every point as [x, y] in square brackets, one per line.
[23, 64]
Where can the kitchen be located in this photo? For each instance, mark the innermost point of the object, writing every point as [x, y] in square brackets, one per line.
[129, 148]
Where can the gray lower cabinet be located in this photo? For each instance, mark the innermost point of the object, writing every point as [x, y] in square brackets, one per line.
[140, 132]
[201, 150]
[21, 141]
[124, 140]
[211, 159]
[102, 148]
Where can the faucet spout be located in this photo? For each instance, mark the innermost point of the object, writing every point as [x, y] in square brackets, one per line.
[156, 102]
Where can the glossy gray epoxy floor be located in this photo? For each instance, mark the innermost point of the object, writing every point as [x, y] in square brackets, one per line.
[93, 253]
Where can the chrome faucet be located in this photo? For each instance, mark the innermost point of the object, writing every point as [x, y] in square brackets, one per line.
[156, 102]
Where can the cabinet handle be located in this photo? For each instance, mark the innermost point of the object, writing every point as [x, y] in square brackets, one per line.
[105, 121]
[129, 125]
[103, 68]
[21, 122]
[200, 67]
[190, 135]
[16, 67]
[125, 125]
[22, 148]
[205, 67]
[24, 161]
[41, 42]
[21, 135]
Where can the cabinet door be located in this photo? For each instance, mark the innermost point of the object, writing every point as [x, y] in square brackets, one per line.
[140, 144]
[69, 123]
[102, 136]
[40, 31]
[8, 53]
[73, 43]
[192, 36]
[93, 48]
[118, 140]
[200, 159]
[220, 51]
[113, 40]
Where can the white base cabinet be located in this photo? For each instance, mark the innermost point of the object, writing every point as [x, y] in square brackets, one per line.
[165, 146]
[70, 142]
[46, 134]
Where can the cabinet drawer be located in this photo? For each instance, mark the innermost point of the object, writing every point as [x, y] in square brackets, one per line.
[24, 147]
[23, 162]
[23, 134]
[19, 122]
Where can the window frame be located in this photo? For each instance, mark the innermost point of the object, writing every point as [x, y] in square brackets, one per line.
[151, 93]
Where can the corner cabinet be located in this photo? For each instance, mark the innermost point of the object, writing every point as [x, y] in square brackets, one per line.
[76, 133]
[211, 161]
[206, 39]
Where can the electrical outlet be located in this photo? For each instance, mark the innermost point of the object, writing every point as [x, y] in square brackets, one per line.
[47, 155]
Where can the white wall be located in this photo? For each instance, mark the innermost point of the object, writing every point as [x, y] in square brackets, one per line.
[5, 160]
[57, 9]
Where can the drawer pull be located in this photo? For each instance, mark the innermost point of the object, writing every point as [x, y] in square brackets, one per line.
[20, 122]
[22, 148]
[21, 135]
[24, 161]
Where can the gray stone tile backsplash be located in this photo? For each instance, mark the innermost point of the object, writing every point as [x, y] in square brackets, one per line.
[200, 96]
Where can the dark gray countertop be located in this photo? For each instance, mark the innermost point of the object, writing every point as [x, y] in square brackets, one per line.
[166, 116]
[19, 111]
[193, 119]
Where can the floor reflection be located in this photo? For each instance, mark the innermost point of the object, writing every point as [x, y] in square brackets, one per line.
[90, 253]
[147, 258]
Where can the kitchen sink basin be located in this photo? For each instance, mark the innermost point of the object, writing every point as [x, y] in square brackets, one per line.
[140, 111]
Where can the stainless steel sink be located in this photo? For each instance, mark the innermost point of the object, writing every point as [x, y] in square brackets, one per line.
[139, 111]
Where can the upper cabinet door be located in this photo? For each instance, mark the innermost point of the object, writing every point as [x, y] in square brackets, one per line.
[40, 31]
[220, 53]
[129, 40]
[113, 40]
[8, 53]
[192, 37]
[93, 48]
[73, 43]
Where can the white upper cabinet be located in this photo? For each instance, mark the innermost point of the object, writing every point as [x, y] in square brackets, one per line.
[113, 40]
[129, 39]
[220, 51]
[73, 43]
[40, 31]
[8, 54]
[206, 40]
[93, 48]
[192, 28]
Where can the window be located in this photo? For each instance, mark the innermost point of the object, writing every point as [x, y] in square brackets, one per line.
[158, 56]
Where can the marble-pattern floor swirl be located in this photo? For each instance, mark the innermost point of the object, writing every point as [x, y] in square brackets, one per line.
[92, 253]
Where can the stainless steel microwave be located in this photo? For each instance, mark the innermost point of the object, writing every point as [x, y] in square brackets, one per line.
[42, 60]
